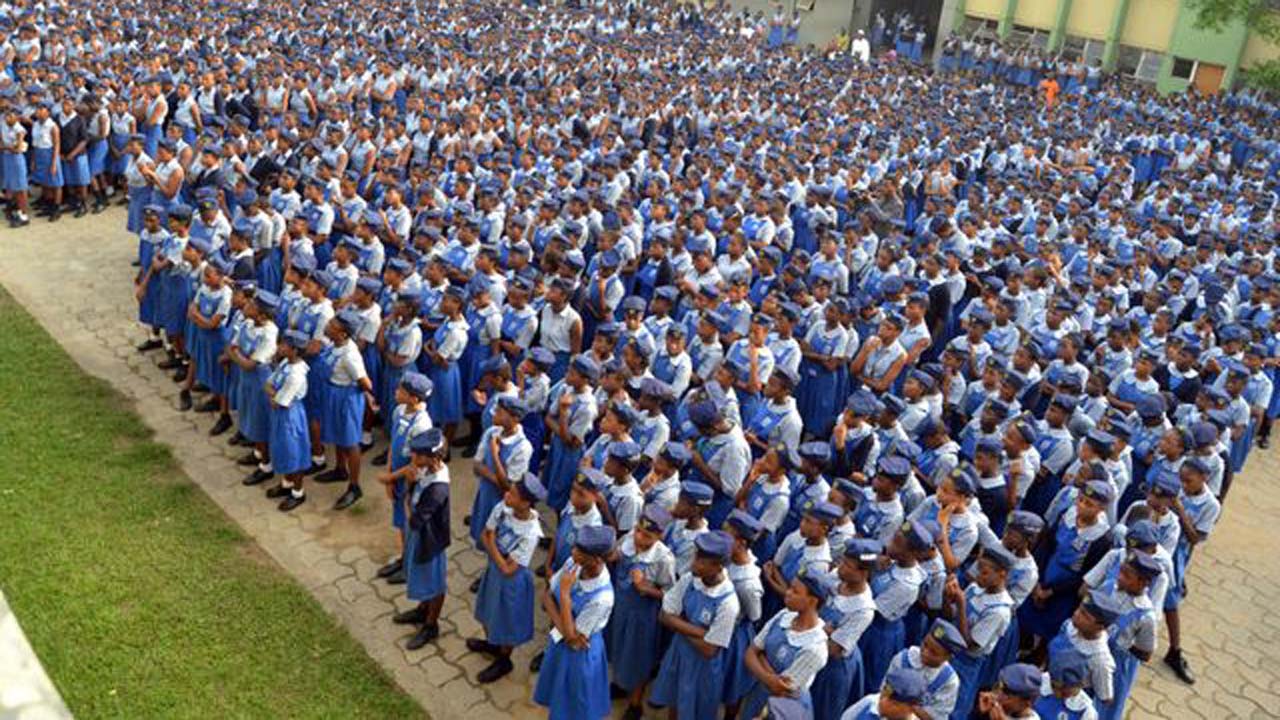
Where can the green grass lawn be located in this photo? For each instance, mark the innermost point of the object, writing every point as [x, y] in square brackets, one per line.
[142, 599]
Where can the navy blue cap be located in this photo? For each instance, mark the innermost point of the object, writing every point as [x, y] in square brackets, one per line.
[704, 414]
[715, 544]
[918, 534]
[863, 403]
[787, 708]
[587, 366]
[429, 441]
[894, 467]
[626, 451]
[948, 636]
[817, 580]
[417, 384]
[593, 479]
[1101, 610]
[1099, 490]
[531, 487]
[697, 493]
[1204, 434]
[819, 452]
[595, 539]
[1000, 555]
[905, 684]
[826, 512]
[745, 524]
[655, 518]
[513, 406]
[1022, 680]
[1026, 522]
[494, 364]
[296, 338]
[676, 453]
[864, 550]
[1068, 667]
[1145, 564]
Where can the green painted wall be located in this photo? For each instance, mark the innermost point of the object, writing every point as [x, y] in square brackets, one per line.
[1218, 48]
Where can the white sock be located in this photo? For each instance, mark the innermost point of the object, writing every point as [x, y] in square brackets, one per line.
[288, 484]
[317, 459]
[264, 467]
[23, 216]
[297, 492]
[259, 456]
[366, 438]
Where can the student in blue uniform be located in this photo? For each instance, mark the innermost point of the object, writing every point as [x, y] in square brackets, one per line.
[895, 589]
[571, 411]
[701, 610]
[744, 573]
[342, 418]
[210, 309]
[504, 603]
[801, 550]
[1198, 511]
[428, 535]
[1132, 637]
[644, 570]
[574, 680]
[982, 613]
[408, 420]
[503, 459]
[900, 696]
[1015, 695]
[791, 648]
[1067, 699]
[441, 354]
[252, 352]
[288, 441]
[847, 614]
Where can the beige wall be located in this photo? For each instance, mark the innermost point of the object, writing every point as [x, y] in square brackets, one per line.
[1038, 14]
[1258, 49]
[1090, 18]
[1149, 24]
[990, 9]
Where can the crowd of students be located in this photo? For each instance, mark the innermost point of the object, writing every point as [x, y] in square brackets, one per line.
[792, 385]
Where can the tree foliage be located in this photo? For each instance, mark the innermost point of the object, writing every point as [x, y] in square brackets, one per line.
[1260, 16]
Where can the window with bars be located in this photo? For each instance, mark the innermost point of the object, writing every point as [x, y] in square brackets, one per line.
[1138, 63]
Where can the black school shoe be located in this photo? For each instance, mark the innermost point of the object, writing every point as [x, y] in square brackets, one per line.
[498, 669]
[291, 502]
[184, 400]
[207, 406]
[249, 459]
[414, 616]
[277, 492]
[1180, 666]
[391, 568]
[476, 645]
[380, 459]
[397, 578]
[223, 425]
[336, 475]
[424, 636]
[149, 345]
[258, 477]
[236, 439]
[349, 498]
[173, 362]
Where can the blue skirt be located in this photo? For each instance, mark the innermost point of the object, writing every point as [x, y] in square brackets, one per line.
[881, 641]
[42, 169]
[758, 698]
[119, 163]
[99, 151]
[1046, 621]
[837, 686]
[14, 167]
[342, 416]
[469, 364]
[574, 684]
[75, 173]
[504, 605]
[1121, 684]
[969, 670]
[209, 372]
[387, 382]
[559, 367]
[486, 499]
[171, 311]
[254, 407]
[445, 403]
[271, 271]
[318, 372]
[686, 679]
[818, 399]
[1005, 653]
[373, 368]
[535, 429]
[288, 439]
[738, 680]
[634, 640]
[424, 581]
[149, 306]
[138, 199]
[151, 135]
[562, 468]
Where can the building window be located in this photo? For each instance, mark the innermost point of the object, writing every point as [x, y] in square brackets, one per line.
[1134, 62]
[1183, 68]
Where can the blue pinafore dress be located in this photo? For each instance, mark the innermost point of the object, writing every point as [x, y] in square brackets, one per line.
[397, 458]
[562, 461]
[288, 438]
[574, 684]
[255, 418]
[488, 495]
[686, 678]
[504, 604]
[882, 639]
[634, 633]
[208, 347]
[446, 397]
[758, 500]
[839, 683]
[780, 653]
[818, 398]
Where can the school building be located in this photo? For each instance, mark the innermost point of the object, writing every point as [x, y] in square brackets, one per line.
[1153, 41]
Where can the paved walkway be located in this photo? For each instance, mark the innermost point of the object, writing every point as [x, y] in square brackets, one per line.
[74, 277]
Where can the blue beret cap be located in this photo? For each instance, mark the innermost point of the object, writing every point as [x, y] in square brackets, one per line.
[864, 550]
[1000, 555]
[745, 524]
[1026, 522]
[716, 544]
[893, 466]
[587, 366]
[1099, 490]
[1142, 533]
[919, 535]
[1068, 667]
[825, 511]
[817, 451]
[1167, 484]
[905, 684]
[430, 441]
[817, 580]
[268, 300]
[296, 338]
[417, 384]
[948, 636]
[676, 454]
[704, 413]
[595, 539]
[696, 492]
[1145, 564]
[531, 487]
[1022, 680]
[514, 406]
